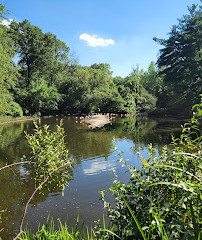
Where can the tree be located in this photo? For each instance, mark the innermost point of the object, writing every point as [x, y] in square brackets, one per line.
[42, 58]
[8, 72]
[180, 59]
[133, 92]
[105, 67]
[28, 42]
[151, 80]
[39, 53]
[56, 58]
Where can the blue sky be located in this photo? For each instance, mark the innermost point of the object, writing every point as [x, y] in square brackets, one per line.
[110, 31]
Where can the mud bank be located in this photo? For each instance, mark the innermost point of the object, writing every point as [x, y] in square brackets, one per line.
[96, 121]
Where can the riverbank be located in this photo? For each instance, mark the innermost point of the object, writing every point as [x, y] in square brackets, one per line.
[92, 121]
[21, 119]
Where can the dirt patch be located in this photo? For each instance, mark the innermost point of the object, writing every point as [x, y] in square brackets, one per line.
[95, 121]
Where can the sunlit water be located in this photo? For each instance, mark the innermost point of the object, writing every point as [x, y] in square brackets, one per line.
[95, 160]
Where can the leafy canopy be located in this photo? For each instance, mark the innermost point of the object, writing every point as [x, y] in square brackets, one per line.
[180, 58]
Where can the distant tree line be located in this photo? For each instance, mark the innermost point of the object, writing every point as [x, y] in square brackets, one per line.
[45, 79]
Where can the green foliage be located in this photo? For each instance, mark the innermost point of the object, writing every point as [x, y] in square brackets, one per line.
[48, 231]
[132, 90]
[49, 159]
[38, 98]
[3, 11]
[8, 72]
[42, 58]
[1, 220]
[145, 101]
[49, 155]
[39, 53]
[162, 199]
[9, 108]
[48, 84]
[180, 59]
[151, 80]
[89, 89]
[13, 109]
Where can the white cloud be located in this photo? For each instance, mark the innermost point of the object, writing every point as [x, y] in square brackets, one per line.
[95, 41]
[98, 167]
[6, 22]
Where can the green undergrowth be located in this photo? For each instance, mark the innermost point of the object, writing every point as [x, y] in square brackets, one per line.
[50, 231]
[60, 232]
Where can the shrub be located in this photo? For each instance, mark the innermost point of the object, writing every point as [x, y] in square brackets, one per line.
[163, 197]
[14, 110]
[7, 105]
[50, 159]
[49, 155]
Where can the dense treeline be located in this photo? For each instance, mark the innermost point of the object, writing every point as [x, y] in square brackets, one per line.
[49, 81]
[44, 79]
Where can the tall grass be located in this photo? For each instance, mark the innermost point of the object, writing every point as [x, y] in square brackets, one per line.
[48, 231]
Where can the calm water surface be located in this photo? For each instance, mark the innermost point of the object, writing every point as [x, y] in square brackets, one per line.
[95, 160]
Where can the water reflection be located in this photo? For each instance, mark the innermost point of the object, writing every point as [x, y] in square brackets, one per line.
[92, 150]
[98, 167]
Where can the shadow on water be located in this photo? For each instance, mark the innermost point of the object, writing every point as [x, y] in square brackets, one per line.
[92, 150]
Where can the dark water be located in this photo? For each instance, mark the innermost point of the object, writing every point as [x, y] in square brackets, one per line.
[95, 160]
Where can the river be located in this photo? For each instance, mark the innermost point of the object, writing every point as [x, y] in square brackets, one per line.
[95, 160]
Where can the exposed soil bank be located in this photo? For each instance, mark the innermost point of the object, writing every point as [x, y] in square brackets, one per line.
[96, 121]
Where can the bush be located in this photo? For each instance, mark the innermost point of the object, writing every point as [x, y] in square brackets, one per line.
[7, 105]
[49, 155]
[146, 101]
[14, 110]
[163, 197]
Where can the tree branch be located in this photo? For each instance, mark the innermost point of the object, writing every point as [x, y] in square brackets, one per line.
[25, 211]
[35, 191]
[13, 164]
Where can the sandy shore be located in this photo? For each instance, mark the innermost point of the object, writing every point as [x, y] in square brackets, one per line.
[96, 121]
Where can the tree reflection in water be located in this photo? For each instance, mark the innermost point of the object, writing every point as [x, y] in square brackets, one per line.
[92, 150]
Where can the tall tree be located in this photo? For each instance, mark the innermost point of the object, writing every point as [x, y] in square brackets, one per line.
[40, 54]
[105, 67]
[29, 44]
[151, 81]
[180, 59]
[55, 56]
[8, 71]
